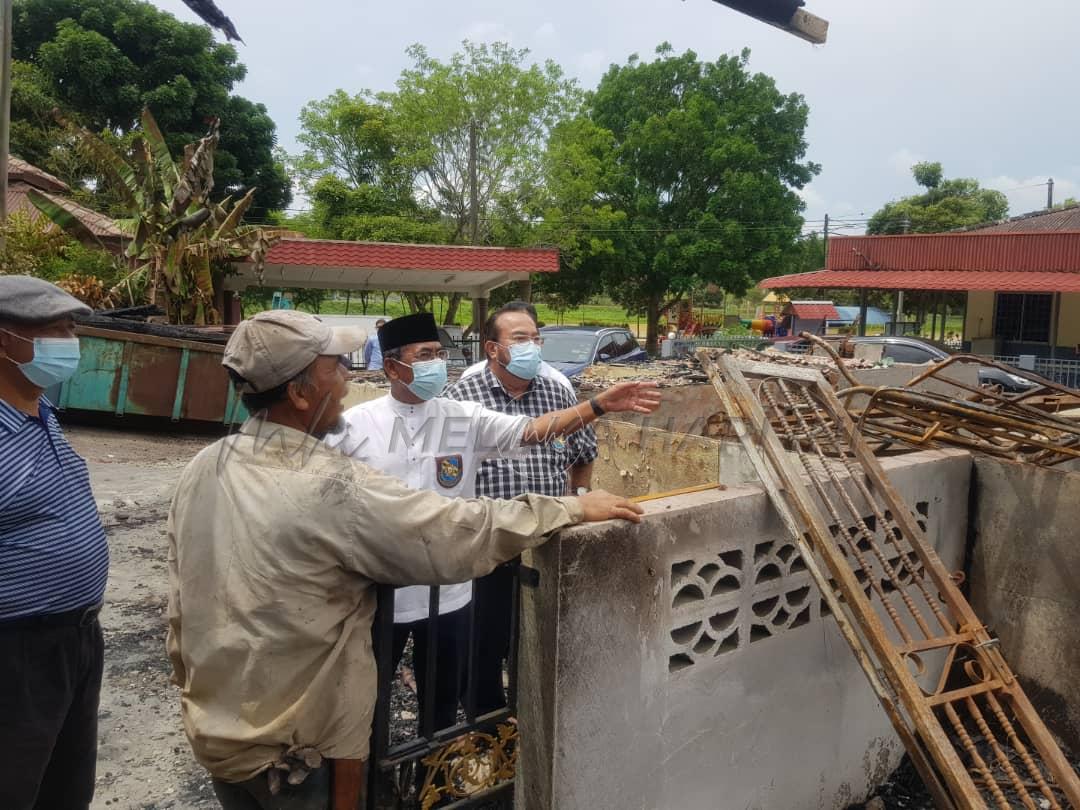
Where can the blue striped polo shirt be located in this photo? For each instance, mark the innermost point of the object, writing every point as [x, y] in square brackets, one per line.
[53, 552]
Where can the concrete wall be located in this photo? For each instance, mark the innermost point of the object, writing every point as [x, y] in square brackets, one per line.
[684, 663]
[1025, 580]
[363, 392]
[979, 319]
[979, 327]
[1069, 321]
[696, 409]
[636, 460]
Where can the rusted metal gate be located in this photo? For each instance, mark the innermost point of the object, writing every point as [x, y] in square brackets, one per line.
[969, 728]
[469, 764]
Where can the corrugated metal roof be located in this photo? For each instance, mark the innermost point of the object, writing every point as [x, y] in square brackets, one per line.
[1063, 219]
[1057, 251]
[812, 311]
[392, 256]
[953, 280]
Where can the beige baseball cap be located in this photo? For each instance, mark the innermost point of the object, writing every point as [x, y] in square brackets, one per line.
[272, 347]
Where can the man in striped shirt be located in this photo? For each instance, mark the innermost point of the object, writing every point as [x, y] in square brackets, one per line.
[54, 561]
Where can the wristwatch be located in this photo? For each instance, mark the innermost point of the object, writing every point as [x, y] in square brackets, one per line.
[596, 407]
[581, 491]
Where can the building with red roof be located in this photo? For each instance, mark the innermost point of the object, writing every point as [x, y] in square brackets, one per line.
[808, 316]
[1020, 277]
[97, 229]
[329, 264]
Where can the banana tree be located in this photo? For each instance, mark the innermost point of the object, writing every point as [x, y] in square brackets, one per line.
[179, 238]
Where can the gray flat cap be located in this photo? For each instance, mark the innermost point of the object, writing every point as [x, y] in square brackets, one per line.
[30, 300]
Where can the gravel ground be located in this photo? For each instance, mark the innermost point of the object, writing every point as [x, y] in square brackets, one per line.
[143, 757]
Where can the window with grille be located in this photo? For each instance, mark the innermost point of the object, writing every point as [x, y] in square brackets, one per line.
[1023, 317]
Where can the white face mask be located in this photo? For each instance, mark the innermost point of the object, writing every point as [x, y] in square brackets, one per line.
[525, 359]
[55, 360]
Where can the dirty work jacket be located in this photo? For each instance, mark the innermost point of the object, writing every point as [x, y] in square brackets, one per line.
[275, 541]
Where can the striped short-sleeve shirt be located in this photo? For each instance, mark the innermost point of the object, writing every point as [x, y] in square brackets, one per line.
[53, 553]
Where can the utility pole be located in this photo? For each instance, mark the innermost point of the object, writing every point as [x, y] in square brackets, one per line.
[1049, 193]
[826, 239]
[5, 107]
[474, 203]
[480, 305]
[900, 293]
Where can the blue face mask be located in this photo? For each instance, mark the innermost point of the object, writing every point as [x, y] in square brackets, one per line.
[525, 359]
[429, 378]
[55, 360]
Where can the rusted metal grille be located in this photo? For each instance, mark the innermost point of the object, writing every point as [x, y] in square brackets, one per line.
[1020, 428]
[969, 728]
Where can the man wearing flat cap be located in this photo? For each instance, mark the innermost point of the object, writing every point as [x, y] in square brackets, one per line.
[54, 561]
[438, 444]
[275, 543]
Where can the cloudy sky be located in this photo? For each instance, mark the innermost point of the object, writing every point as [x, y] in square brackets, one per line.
[975, 85]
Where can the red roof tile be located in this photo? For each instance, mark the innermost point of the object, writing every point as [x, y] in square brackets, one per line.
[812, 311]
[1046, 261]
[391, 256]
[1003, 281]
[1062, 219]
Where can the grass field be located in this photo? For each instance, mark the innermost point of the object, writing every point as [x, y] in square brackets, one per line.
[600, 313]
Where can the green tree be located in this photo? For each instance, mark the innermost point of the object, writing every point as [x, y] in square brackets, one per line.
[35, 135]
[181, 242]
[102, 61]
[808, 255]
[352, 138]
[944, 206]
[680, 173]
[511, 104]
[395, 166]
[34, 246]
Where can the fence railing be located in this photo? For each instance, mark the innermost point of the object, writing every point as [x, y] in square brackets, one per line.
[468, 759]
[684, 347]
[1063, 372]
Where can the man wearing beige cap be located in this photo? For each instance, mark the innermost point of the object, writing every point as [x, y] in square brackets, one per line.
[275, 543]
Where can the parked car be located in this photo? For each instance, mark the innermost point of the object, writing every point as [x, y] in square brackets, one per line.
[915, 350]
[456, 333]
[457, 357]
[572, 349]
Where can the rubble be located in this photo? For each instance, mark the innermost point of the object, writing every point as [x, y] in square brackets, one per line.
[1019, 428]
[967, 724]
[673, 373]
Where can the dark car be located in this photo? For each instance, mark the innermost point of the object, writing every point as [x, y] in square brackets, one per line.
[572, 349]
[918, 351]
[457, 357]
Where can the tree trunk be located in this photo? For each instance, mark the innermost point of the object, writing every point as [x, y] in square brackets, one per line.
[452, 305]
[652, 325]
